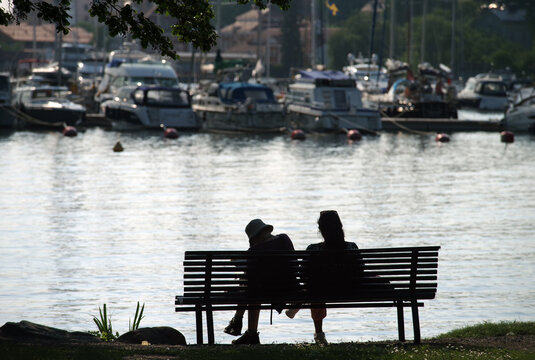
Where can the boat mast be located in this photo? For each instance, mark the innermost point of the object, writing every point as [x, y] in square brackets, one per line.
[313, 33]
[392, 25]
[452, 63]
[422, 50]
[372, 35]
[409, 33]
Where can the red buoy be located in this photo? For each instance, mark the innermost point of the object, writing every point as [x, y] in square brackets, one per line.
[69, 131]
[354, 134]
[507, 137]
[298, 135]
[170, 133]
[442, 137]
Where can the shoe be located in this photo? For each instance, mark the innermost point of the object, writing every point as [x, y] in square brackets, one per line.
[248, 338]
[319, 338]
[291, 313]
[234, 327]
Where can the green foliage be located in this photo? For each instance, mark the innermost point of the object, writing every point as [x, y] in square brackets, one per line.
[192, 19]
[137, 318]
[477, 48]
[103, 322]
[104, 325]
[353, 37]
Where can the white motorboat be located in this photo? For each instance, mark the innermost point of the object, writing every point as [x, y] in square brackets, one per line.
[118, 74]
[369, 77]
[48, 106]
[239, 106]
[483, 92]
[521, 114]
[150, 107]
[328, 101]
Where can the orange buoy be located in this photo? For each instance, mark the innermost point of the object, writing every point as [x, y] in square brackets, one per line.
[170, 133]
[69, 131]
[507, 137]
[354, 134]
[442, 137]
[298, 134]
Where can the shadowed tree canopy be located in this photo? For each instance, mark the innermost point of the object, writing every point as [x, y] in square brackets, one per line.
[192, 19]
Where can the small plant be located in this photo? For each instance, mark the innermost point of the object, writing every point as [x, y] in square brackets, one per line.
[137, 318]
[105, 331]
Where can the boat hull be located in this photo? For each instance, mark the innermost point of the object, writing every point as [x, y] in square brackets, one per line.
[8, 119]
[307, 119]
[520, 119]
[39, 117]
[212, 119]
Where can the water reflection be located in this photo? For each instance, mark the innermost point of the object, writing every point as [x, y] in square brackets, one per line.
[82, 225]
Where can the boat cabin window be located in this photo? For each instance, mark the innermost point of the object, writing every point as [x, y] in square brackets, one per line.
[174, 98]
[162, 97]
[49, 94]
[242, 94]
[491, 88]
[148, 80]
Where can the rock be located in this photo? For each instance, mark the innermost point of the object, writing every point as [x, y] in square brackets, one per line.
[26, 331]
[161, 335]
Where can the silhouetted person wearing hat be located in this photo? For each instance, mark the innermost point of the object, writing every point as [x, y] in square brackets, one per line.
[260, 239]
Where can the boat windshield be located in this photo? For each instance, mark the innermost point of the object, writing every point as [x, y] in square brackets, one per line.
[147, 80]
[491, 88]
[164, 97]
[39, 94]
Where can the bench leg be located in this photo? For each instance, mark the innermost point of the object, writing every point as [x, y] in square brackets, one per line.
[415, 322]
[198, 323]
[401, 321]
[210, 324]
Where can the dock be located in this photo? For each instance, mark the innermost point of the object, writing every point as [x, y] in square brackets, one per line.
[97, 120]
[438, 125]
[416, 125]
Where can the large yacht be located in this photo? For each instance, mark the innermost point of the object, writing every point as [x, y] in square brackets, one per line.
[239, 106]
[324, 101]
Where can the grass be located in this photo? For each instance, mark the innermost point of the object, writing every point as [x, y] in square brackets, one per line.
[492, 329]
[430, 349]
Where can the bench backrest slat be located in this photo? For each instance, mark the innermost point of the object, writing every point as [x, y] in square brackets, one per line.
[221, 276]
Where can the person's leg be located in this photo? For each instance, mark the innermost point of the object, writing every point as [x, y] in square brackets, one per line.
[252, 320]
[318, 314]
[235, 325]
[251, 335]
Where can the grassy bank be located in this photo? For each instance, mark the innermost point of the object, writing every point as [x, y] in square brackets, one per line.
[488, 341]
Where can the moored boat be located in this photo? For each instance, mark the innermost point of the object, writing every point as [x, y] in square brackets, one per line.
[47, 106]
[484, 92]
[521, 114]
[328, 101]
[150, 107]
[239, 106]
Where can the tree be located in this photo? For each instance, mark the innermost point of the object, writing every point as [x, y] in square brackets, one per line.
[192, 19]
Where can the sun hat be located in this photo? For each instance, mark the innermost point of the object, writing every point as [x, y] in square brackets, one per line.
[255, 227]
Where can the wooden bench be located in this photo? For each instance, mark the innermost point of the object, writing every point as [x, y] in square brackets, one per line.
[389, 277]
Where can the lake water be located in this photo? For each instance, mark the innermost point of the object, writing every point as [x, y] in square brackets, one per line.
[81, 226]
